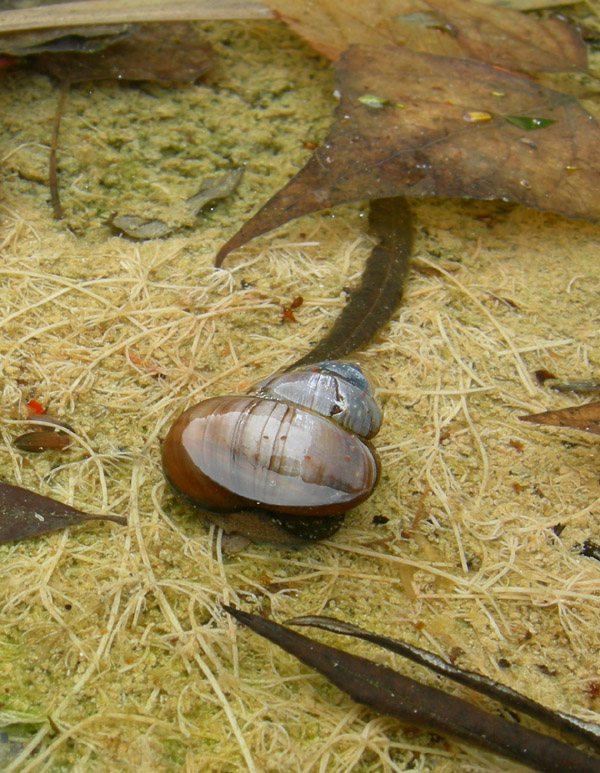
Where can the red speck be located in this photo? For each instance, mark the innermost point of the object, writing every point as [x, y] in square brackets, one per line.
[35, 407]
[298, 301]
[310, 144]
[6, 61]
[287, 314]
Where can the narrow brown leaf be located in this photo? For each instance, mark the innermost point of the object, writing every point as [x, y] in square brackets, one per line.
[389, 692]
[42, 440]
[421, 141]
[585, 417]
[24, 513]
[584, 731]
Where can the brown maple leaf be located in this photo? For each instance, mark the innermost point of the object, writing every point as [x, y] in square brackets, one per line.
[416, 124]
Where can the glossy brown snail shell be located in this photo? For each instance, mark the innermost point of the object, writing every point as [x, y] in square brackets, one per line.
[295, 449]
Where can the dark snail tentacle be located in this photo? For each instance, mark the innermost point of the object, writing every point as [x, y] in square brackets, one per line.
[374, 301]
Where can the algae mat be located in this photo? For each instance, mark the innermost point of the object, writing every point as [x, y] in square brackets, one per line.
[114, 651]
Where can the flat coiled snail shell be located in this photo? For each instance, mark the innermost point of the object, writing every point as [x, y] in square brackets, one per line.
[289, 459]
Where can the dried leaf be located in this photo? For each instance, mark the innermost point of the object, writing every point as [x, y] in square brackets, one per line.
[585, 417]
[421, 144]
[24, 513]
[139, 227]
[581, 385]
[42, 440]
[498, 36]
[213, 188]
[116, 11]
[389, 692]
[181, 214]
[88, 39]
[584, 731]
[156, 52]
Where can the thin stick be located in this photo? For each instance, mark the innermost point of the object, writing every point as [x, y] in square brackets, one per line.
[52, 174]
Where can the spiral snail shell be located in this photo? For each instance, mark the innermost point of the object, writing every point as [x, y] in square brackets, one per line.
[294, 451]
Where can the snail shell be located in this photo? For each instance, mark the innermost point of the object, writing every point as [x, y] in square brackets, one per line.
[296, 447]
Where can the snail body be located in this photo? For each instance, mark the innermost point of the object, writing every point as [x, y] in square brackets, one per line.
[295, 449]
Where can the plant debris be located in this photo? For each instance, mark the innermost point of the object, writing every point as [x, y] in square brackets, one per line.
[42, 440]
[24, 513]
[388, 692]
[166, 53]
[427, 148]
[170, 53]
[584, 731]
[460, 28]
[212, 188]
[82, 39]
[585, 417]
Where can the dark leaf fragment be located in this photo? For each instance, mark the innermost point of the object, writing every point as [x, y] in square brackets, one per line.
[42, 440]
[181, 214]
[212, 188]
[389, 692]
[590, 549]
[528, 122]
[584, 731]
[83, 39]
[580, 385]
[423, 142]
[585, 417]
[24, 513]
[139, 227]
[168, 52]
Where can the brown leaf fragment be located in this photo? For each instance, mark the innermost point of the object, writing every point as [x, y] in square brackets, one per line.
[511, 39]
[420, 144]
[584, 731]
[388, 692]
[590, 549]
[585, 417]
[578, 385]
[42, 440]
[167, 52]
[212, 188]
[92, 38]
[139, 227]
[499, 36]
[24, 513]
[182, 213]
